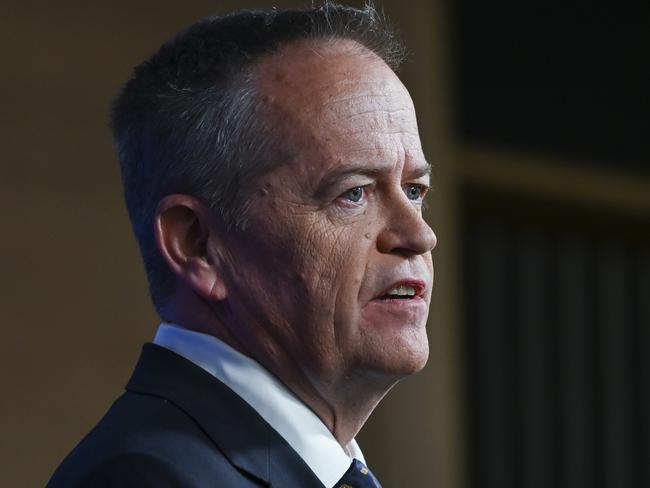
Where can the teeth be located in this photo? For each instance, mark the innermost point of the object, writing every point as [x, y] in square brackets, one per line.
[402, 291]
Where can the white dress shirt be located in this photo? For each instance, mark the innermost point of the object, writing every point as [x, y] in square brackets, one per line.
[288, 415]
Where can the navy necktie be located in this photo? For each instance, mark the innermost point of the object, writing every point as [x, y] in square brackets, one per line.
[358, 476]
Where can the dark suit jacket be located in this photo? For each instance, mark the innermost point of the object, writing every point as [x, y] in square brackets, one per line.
[178, 426]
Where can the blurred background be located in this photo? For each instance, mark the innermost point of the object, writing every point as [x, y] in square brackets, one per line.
[536, 117]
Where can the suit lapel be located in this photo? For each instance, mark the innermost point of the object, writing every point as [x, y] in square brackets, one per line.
[244, 437]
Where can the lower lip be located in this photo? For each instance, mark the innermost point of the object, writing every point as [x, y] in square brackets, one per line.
[399, 303]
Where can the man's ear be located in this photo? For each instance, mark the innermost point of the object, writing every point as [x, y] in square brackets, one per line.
[183, 229]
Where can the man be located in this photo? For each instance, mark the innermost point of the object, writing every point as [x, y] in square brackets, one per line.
[274, 177]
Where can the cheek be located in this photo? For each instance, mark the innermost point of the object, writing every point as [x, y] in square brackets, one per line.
[320, 262]
[339, 267]
[264, 283]
[337, 259]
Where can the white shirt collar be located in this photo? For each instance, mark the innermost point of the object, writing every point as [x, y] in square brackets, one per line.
[288, 415]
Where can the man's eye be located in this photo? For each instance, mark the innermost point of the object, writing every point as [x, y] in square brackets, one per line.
[414, 192]
[354, 194]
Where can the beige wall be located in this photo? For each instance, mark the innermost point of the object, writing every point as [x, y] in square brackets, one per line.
[73, 295]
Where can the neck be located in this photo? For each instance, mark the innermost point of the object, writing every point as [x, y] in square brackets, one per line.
[343, 400]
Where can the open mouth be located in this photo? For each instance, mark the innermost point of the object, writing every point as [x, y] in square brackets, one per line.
[402, 292]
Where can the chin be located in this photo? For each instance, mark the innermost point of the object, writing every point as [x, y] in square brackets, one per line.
[411, 363]
[400, 356]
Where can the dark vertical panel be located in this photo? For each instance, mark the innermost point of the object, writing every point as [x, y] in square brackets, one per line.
[613, 308]
[533, 318]
[496, 466]
[473, 391]
[643, 336]
[560, 326]
[575, 321]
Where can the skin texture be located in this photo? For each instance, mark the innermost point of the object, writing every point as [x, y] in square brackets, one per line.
[330, 230]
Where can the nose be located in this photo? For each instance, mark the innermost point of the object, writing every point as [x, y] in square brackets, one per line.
[405, 231]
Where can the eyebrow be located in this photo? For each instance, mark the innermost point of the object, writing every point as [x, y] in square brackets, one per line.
[421, 170]
[335, 176]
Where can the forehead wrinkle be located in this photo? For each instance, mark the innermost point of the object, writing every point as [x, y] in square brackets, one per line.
[380, 117]
[417, 167]
[400, 146]
[413, 161]
[375, 112]
[382, 132]
[390, 101]
[375, 154]
[379, 111]
[380, 93]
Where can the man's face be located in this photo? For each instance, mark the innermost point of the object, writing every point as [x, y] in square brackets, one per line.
[334, 271]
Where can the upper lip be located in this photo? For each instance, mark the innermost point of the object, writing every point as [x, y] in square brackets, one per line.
[420, 286]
